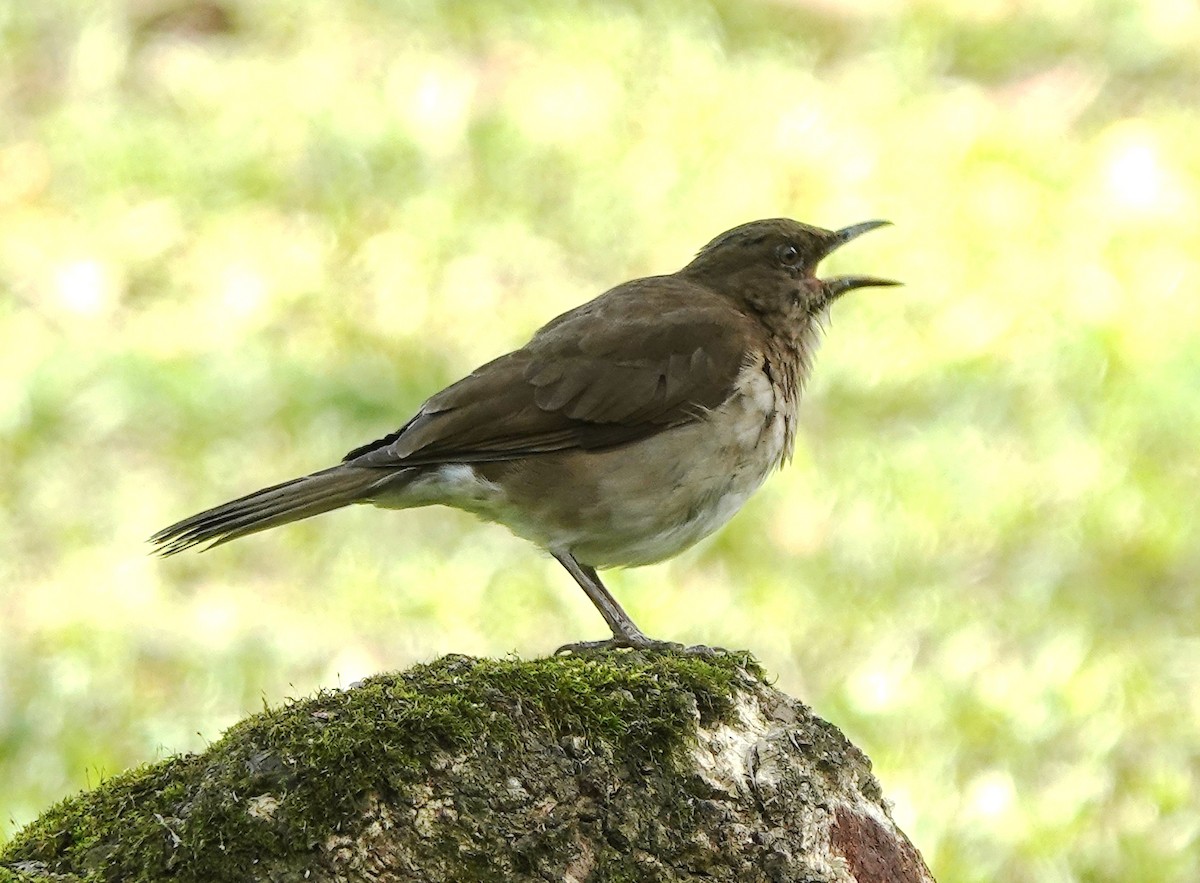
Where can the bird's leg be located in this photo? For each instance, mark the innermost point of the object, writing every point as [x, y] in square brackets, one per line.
[625, 633]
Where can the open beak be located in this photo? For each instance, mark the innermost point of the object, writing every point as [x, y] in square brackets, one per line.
[839, 285]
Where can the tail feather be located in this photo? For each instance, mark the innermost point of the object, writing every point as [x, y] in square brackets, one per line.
[270, 507]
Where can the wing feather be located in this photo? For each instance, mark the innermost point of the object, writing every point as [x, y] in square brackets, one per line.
[646, 355]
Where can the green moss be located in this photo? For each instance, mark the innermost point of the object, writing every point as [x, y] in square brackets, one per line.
[320, 759]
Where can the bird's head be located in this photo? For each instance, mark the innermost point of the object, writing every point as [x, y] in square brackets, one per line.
[770, 267]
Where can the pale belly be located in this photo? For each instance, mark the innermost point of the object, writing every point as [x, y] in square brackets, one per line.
[631, 505]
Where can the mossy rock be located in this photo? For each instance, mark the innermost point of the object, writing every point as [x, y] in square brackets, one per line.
[614, 766]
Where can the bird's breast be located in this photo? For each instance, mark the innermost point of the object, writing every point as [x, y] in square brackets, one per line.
[648, 500]
[636, 503]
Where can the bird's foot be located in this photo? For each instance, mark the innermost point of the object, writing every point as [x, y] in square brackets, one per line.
[618, 643]
[640, 642]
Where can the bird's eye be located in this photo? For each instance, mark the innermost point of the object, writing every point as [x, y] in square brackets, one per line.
[788, 255]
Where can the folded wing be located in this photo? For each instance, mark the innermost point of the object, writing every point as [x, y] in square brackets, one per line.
[646, 355]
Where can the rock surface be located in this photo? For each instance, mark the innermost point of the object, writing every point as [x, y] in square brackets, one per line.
[604, 767]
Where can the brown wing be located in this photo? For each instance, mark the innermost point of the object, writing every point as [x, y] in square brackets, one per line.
[648, 354]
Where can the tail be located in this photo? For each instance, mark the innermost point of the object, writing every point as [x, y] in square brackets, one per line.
[270, 507]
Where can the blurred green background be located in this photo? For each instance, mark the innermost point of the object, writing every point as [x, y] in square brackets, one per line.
[240, 237]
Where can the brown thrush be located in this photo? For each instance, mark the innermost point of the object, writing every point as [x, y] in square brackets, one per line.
[626, 430]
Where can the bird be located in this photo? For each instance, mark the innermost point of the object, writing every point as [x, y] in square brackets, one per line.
[626, 430]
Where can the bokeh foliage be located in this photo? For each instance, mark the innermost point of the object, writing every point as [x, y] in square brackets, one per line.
[239, 237]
